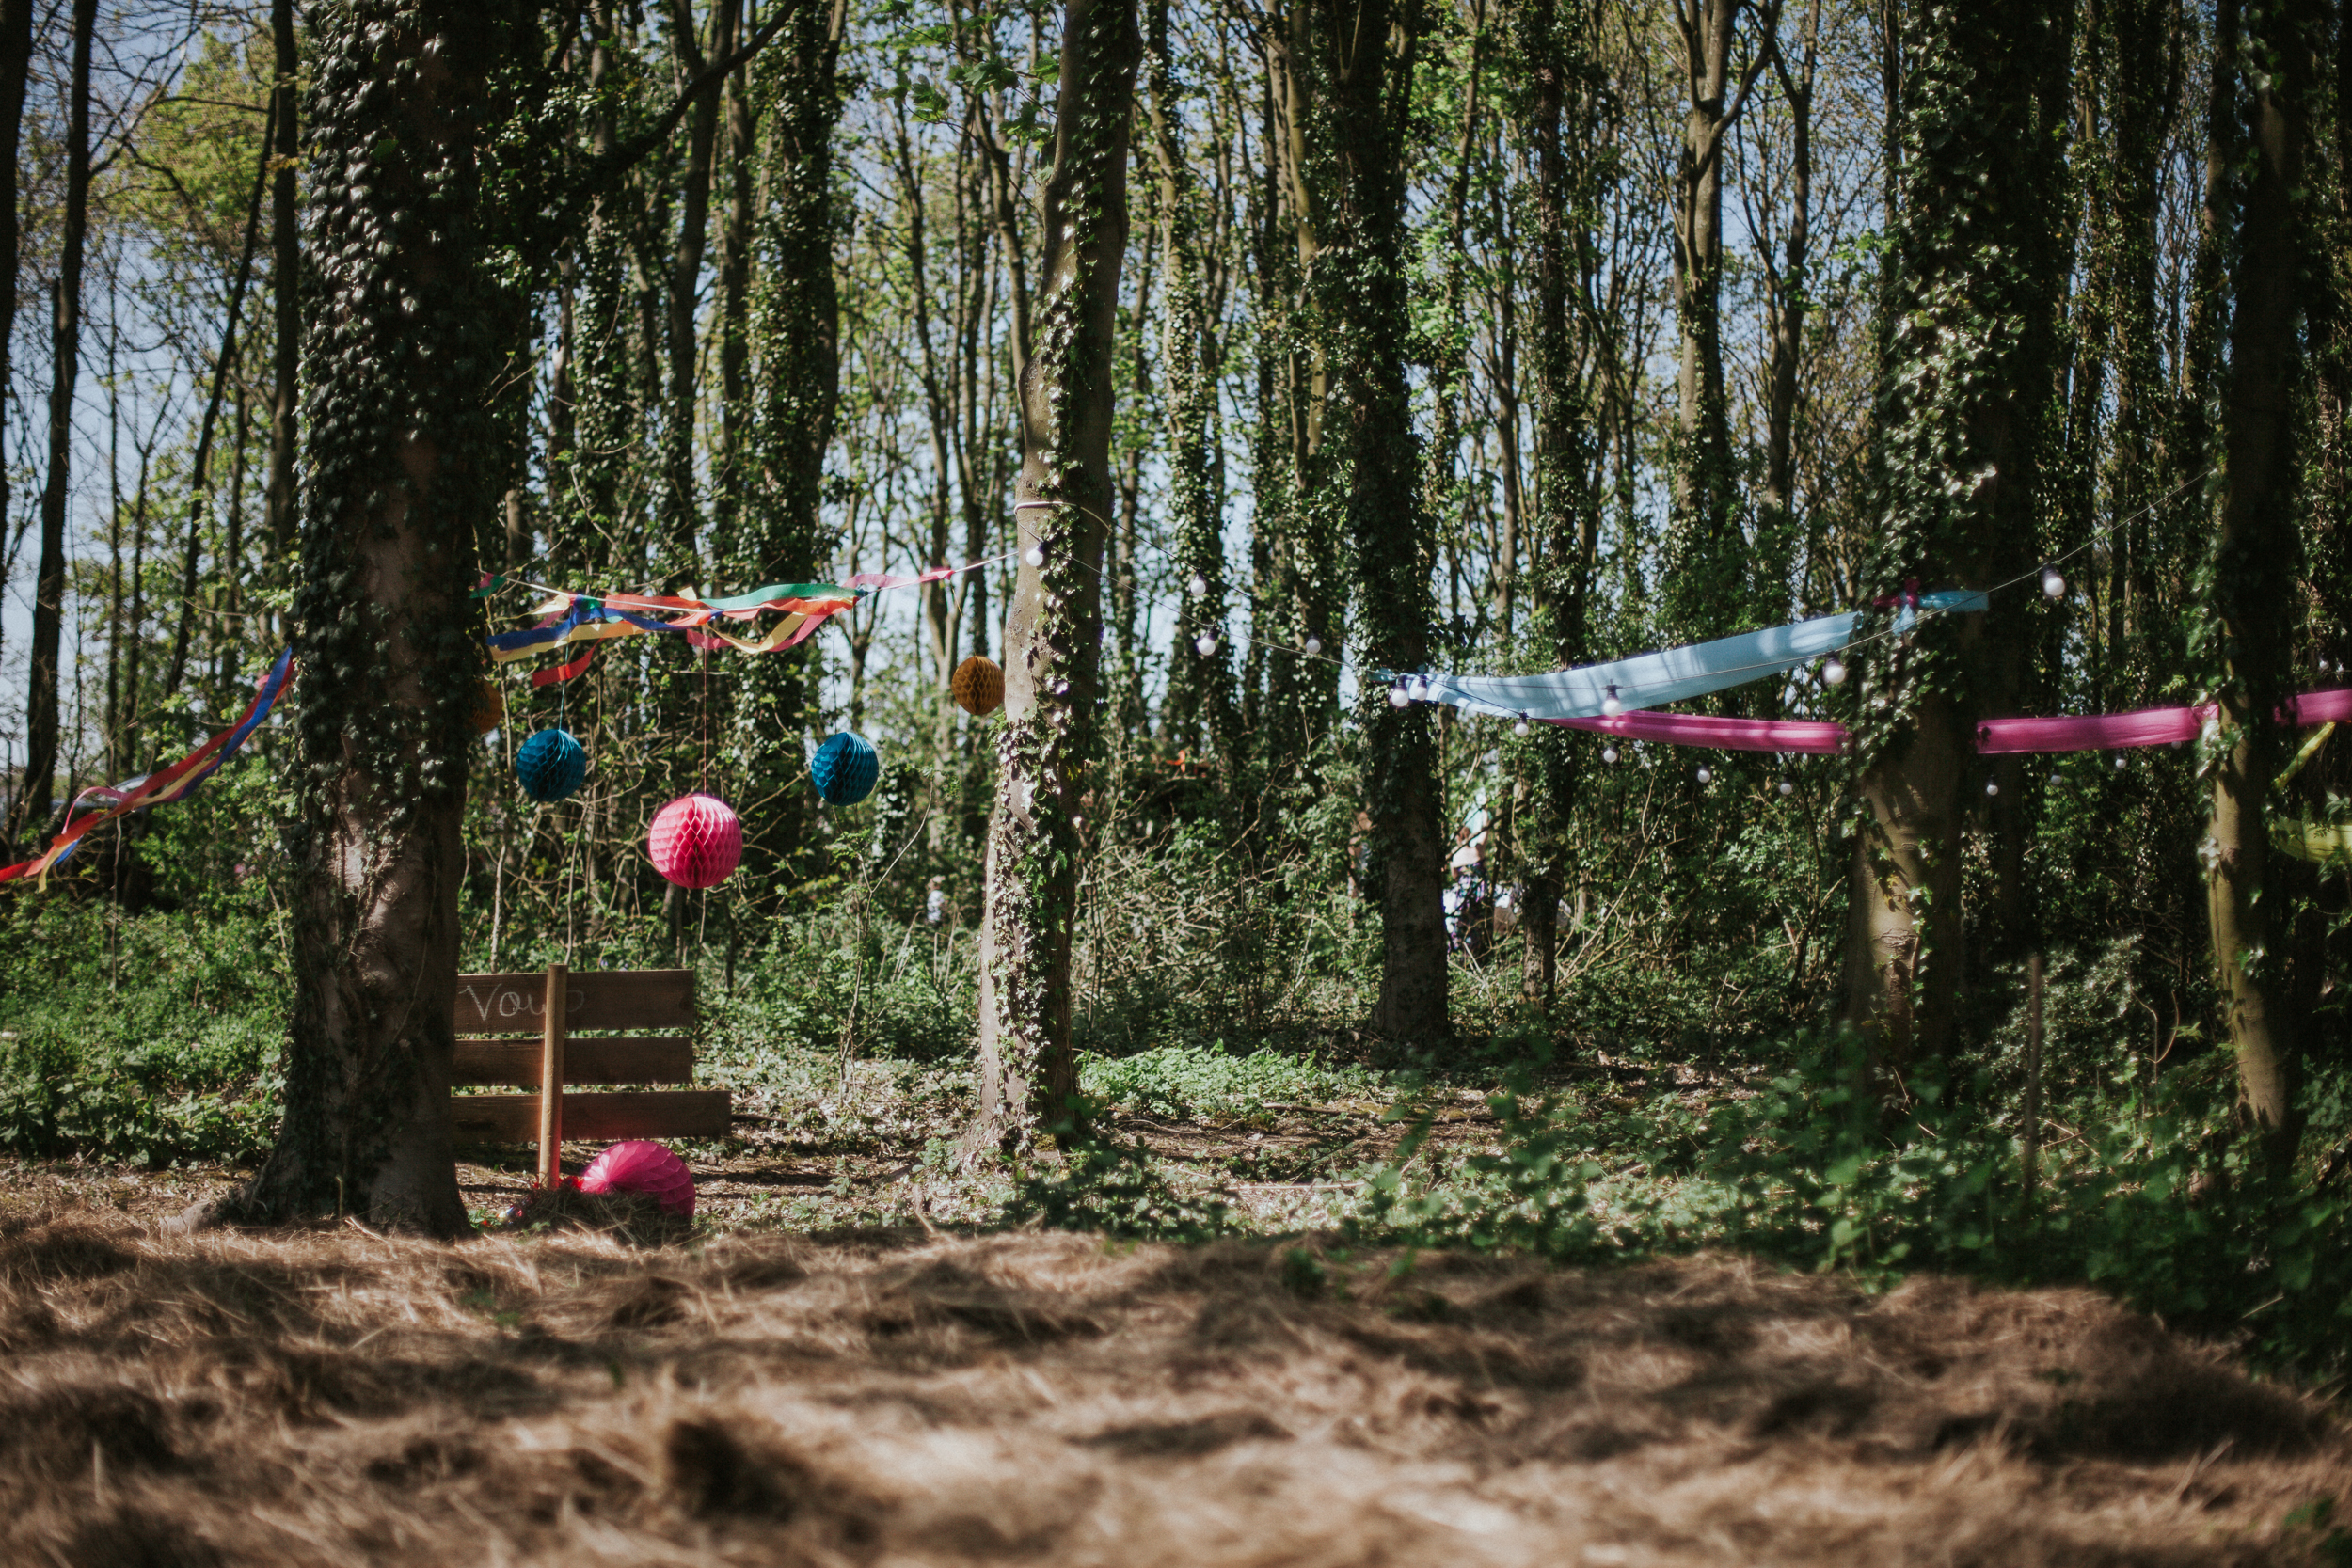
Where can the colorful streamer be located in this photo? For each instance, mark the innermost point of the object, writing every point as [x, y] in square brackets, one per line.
[1809, 737]
[176, 782]
[1671, 675]
[570, 617]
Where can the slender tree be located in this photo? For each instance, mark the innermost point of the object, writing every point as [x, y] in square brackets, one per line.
[41, 713]
[2257, 551]
[795, 331]
[1053, 637]
[16, 62]
[285, 278]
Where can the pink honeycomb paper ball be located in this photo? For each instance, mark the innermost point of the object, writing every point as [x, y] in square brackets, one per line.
[696, 840]
[640, 1165]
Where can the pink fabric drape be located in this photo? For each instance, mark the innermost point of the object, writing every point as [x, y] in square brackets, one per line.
[1812, 736]
[2154, 726]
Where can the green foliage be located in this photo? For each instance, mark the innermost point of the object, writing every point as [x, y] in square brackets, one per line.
[1198, 1082]
[141, 1040]
[1114, 1188]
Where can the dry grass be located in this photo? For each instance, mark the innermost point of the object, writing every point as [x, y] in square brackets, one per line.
[335, 1397]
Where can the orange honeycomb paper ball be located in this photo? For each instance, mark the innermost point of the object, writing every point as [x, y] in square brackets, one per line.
[696, 840]
[978, 685]
[489, 707]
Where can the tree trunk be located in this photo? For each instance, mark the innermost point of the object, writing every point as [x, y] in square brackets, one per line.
[682, 563]
[1361, 53]
[1976, 272]
[1053, 637]
[41, 725]
[1788, 289]
[2255, 559]
[16, 60]
[1703, 566]
[404, 466]
[795, 329]
[1558, 52]
[285, 286]
[1201, 675]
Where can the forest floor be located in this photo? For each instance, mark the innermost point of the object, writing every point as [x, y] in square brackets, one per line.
[772, 1392]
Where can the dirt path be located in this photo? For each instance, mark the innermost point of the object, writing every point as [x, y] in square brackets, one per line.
[339, 1398]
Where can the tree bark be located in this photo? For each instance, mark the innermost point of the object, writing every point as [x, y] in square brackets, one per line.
[2255, 558]
[41, 714]
[404, 466]
[1046, 749]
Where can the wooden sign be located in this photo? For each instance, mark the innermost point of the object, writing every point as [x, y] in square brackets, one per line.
[592, 999]
[621, 1113]
[552, 1006]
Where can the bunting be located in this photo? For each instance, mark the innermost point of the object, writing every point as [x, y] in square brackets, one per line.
[175, 782]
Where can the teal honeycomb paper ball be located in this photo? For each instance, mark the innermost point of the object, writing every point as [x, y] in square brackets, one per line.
[845, 769]
[549, 766]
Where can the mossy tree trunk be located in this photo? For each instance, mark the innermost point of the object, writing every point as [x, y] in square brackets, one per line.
[16, 61]
[2257, 553]
[1978, 270]
[1052, 638]
[404, 467]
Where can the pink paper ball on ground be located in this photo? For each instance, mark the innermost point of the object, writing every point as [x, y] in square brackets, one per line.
[642, 1167]
[696, 840]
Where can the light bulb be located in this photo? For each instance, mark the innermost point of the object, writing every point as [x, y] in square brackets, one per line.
[1608, 753]
[1834, 672]
[1787, 788]
[2053, 584]
[1036, 556]
[1610, 705]
[1707, 775]
[1520, 729]
[1421, 689]
[2121, 762]
[1314, 645]
[1207, 644]
[1198, 586]
[1397, 697]
[1991, 787]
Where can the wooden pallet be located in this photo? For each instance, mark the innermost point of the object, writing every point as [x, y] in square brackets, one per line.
[553, 1008]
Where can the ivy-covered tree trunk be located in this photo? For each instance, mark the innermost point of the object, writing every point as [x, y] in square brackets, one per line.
[1555, 50]
[1200, 672]
[1363, 55]
[1047, 750]
[795, 330]
[2257, 553]
[42, 713]
[1700, 588]
[403, 467]
[1976, 273]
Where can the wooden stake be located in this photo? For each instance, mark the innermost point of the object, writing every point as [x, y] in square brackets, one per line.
[552, 1080]
[2033, 1072]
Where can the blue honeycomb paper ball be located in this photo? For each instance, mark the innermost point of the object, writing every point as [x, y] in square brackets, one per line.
[549, 766]
[845, 769]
